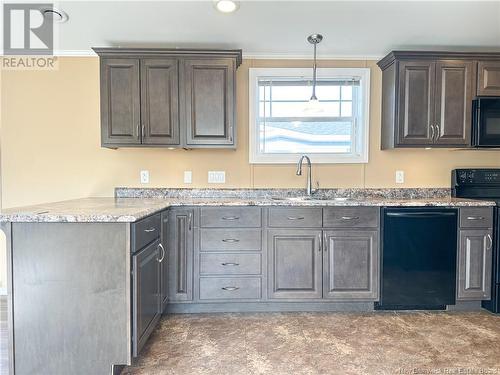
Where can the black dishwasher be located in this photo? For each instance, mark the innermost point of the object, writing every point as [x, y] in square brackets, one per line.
[419, 252]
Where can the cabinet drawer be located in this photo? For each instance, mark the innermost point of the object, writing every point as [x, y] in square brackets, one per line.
[476, 217]
[230, 239]
[146, 231]
[230, 264]
[230, 217]
[230, 288]
[295, 217]
[351, 217]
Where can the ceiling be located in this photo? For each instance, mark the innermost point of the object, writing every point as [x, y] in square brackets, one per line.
[279, 28]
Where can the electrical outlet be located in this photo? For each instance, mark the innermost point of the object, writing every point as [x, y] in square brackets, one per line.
[188, 177]
[400, 177]
[216, 177]
[144, 177]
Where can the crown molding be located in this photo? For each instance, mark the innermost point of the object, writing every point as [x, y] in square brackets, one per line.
[289, 56]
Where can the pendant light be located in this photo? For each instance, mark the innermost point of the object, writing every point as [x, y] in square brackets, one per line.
[313, 106]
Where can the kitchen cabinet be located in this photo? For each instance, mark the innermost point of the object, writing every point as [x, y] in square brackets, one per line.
[295, 263]
[180, 259]
[208, 96]
[489, 78]
[146, 309]
[164, 264]
[350, 265]
[427, 96]
[474, 264]
[120, 102]
[168, 97]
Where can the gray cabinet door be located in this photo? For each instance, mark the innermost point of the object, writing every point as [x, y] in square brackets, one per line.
[416, 102]
[351, 265]
[454, 84]
[294, 264]
[146, 294]
[474, 265]
[159, 101]
[120, 102]
[164, 257]
[208, 89]
[180, 255]
[489, 78]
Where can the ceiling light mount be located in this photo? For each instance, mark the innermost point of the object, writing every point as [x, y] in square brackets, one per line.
[226, 6]
[55, 15]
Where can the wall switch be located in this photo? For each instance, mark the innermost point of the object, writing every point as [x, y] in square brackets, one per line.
[144, 177]
[188, 177]
[216, 177]
[400, 177]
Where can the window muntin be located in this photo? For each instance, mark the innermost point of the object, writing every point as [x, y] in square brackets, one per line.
[284, 124]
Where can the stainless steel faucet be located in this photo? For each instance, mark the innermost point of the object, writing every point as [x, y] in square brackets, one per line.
[309, 190]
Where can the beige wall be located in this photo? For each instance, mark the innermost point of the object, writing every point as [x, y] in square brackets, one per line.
[50, 144]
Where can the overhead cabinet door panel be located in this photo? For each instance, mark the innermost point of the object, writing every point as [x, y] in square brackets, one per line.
[416, 106]
[159, 100]
[453, 102]
[208, 87]
[120, 102]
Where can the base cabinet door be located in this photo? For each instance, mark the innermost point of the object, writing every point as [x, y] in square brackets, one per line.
[180, 269]
[146, 294]
[474, 264]
[294, 264]
[351, 265]
[164, 260]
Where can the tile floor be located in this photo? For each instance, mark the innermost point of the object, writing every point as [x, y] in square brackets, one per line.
[324, 343]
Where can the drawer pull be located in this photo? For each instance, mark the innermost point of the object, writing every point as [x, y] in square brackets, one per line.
[490, 245]
[230, 288]
[350, 217]
[230, 264]
[295, 217]
[475, 218]
[230, 218]
[149, 230]
[230, 240]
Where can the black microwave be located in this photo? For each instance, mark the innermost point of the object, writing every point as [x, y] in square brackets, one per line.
[486, 122]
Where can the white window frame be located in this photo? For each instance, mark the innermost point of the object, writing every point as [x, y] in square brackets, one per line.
[361, 129]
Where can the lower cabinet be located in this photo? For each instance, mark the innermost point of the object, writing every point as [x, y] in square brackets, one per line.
[295, 263]
[351, 265]
[146, 291]
[180, 260]
[474, 264]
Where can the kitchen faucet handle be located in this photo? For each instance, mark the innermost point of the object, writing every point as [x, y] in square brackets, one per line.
[317, 188]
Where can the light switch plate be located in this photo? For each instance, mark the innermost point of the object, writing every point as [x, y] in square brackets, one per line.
[400, 177]
[188, 177]
[216, 177]
[144, 177]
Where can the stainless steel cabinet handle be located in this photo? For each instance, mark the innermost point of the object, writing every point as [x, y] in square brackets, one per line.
[437, 132]
[295, 217]
[230, 264]
[433, 131]
[350, 217]
[230, 218]
[491, 242]
[230, 240]
[160, 246]
[475, 218]
[190, 220]
[143, 130]
[325, 243]
[149, 230]
[230, 288]
[138, 130]
[320, 247]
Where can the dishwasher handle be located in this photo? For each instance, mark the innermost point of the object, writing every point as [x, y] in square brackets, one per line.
[423, 214]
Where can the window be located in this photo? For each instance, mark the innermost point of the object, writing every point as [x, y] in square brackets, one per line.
[285, 125]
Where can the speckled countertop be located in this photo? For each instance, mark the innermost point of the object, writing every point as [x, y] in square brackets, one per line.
[133, 204]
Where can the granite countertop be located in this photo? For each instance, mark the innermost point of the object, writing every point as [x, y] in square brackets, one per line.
[135, 206]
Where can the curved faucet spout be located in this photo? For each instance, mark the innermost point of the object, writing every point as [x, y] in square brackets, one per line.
[299, 172]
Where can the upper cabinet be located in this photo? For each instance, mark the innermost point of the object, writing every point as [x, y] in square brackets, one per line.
[168, 97]
[427, 97]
